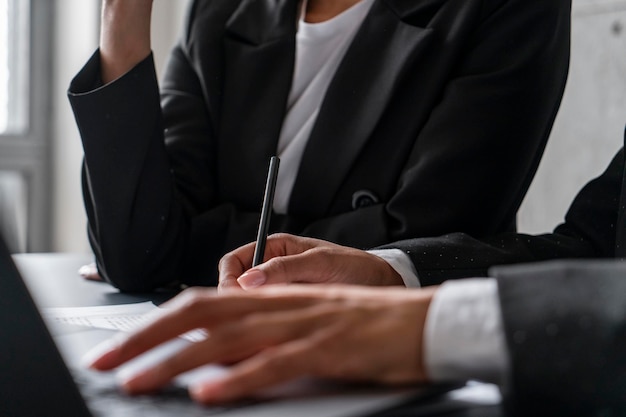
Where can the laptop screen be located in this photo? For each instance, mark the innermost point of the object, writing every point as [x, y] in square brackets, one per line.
[34, 380]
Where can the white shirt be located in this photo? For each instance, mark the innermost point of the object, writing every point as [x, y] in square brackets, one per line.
[320, 47]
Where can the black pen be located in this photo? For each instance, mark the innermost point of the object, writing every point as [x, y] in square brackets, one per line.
[266, 211]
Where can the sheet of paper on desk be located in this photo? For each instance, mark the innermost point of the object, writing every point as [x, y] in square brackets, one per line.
[122, 317]
[113, 317]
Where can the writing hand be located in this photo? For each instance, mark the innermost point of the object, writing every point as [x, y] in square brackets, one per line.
[293, 259]
[275, 334]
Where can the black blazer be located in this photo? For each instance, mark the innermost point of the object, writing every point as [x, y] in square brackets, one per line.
[565, 327]
[439, 111]
[594, 227]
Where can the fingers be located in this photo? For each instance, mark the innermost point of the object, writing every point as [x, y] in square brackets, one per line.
[194, 308]
[292, 259]
[227, 343]
[266, 369]
[233, 265]
[90, 272]
[322, 264]
[151, 379]
[237, 262]
[188, 312]
[311, 267]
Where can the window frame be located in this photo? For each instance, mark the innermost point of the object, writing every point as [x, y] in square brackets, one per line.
[29, 151]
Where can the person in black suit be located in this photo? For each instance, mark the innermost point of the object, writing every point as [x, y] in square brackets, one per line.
[433, 121]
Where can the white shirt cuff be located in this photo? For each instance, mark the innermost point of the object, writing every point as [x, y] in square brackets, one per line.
[401, 263]
[463, 334]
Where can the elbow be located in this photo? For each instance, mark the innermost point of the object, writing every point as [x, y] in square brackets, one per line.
[132, 274]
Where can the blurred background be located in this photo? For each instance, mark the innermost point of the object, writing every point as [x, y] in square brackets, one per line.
[43, 43]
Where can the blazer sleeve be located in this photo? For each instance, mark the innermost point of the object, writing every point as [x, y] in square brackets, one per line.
[565, 327]
[153, 219]
[589, 231]
[472, 161]
[130, 204]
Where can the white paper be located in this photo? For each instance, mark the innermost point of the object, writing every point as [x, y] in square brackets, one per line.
[122, 317]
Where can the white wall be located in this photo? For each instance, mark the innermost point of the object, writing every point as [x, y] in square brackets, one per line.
[167, 19]
[76, 37]
[589, 128]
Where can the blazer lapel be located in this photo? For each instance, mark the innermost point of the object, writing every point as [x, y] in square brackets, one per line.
[361, 88]
[258, 69]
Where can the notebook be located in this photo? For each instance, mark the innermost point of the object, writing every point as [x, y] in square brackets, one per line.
[35, 379]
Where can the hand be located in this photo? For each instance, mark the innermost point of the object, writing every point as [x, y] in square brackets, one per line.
[276, 334]
[90, 272]
[294, 259]
[124, 36]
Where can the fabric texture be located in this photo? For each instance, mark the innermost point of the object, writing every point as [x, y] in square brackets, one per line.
[593, 228]
[565, 326]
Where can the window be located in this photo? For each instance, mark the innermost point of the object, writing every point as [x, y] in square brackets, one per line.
[14, 57]
[25, 74]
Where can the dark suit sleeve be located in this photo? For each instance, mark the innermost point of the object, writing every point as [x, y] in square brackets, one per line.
[565, 327]
[472, 161]
[119, 201]
[589, 231]
[150, 201]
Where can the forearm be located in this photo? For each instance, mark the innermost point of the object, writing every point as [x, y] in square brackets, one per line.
[588, 232]
[459, 255]
[124, 36]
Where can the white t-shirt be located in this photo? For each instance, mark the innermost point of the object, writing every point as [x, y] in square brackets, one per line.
[320, 47]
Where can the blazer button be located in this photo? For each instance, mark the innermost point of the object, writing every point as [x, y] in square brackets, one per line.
[363, 198]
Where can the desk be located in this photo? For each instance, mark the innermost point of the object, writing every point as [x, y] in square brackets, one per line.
[54, 282]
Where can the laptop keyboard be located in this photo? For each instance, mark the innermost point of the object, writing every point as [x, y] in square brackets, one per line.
[104, 398]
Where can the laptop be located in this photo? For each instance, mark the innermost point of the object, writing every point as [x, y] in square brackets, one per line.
[35, 380]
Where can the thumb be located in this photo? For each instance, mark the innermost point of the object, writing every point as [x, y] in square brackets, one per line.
[252, 278]
[302, 268]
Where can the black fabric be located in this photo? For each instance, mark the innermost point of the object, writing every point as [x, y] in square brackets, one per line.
[440, 108]
[29, 355]
[589, 231]
[565, 326]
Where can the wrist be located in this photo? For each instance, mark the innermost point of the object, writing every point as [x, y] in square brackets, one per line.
[124, 36]
[385, 273]
[423, 299]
